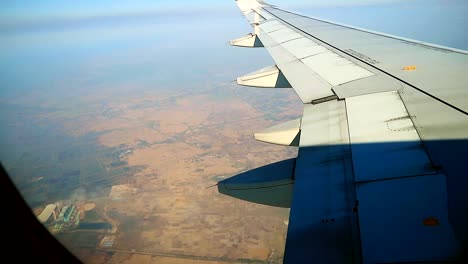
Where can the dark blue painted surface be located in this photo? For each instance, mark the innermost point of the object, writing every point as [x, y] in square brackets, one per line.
[320, 187]
[405, 220]
[321, 219]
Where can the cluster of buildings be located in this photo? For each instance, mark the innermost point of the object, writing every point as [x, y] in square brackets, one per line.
[58, 217]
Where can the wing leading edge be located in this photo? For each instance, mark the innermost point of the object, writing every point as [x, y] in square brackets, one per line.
[380, 174]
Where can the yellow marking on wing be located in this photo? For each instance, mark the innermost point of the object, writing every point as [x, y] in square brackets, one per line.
[409, 68]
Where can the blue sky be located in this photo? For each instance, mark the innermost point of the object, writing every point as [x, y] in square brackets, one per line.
[409, 18]
[58, 8]
[52, 8]
[50, 39]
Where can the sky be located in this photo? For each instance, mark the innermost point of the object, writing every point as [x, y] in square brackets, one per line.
[53, 8]
[410, 18]
[88, 7]
[50, 40]
[23, 9]
[46, 40]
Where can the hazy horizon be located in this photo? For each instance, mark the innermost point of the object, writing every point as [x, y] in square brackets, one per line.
[66, 42]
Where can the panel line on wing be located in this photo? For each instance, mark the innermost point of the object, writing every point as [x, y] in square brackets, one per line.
[291, 40]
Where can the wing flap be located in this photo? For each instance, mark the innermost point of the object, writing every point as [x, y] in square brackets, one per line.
[321, 219]
[384, 141]
[403, 218]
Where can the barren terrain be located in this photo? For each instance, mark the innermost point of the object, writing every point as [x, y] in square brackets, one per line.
[181, 144]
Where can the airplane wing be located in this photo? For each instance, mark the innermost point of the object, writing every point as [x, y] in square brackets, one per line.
[381, 172]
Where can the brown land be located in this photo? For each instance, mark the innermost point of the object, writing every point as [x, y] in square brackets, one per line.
[184, 143]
